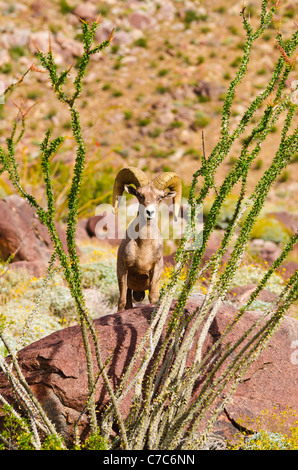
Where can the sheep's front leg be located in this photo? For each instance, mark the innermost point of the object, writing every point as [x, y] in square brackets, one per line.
[122, 283]
[154, 288]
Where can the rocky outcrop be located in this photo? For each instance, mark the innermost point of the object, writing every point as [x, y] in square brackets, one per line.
[101, 227]
[104, 227]
[33, 268]
[240, 295]
[55, 368]
[23, 234]
[270, 384]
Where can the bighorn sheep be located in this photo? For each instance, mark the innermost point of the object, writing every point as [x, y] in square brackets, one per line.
[140, 258]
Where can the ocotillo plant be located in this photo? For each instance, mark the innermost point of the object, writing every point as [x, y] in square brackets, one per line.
[163, 414]
[68, 260]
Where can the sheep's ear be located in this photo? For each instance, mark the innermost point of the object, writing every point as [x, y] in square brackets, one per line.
[169, 194]
[130, 189]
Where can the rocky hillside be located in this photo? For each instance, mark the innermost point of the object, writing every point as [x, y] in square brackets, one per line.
[148, 97]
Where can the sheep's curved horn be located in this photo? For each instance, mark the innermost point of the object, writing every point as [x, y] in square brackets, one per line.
[172, 181]
[130, 175]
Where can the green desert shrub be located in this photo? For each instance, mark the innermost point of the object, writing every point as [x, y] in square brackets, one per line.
[269, 228]
[96, 186]
[226, 212]
[102, 276]
[253, 274]
[192, 15]
[141, 42]
[56, 307]
[19, 295]
[201, 120]
[65, 7]
[95, 442]
[268, 431]
[264, 440]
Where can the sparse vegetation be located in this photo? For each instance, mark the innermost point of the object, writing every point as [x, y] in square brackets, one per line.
[141, 42]
[281, 433]
[269, 228]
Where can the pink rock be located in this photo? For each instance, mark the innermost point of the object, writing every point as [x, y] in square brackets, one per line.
[40, 39]
[104, 30]
[140, 20]
[270, 251]
[55, 368]
[240, 295]
[208, 90]
[288, 269]
[123, 38]
[86, 11]
[18, 37]
[22, 233]
[107, 230]
[33, 268]
[271, 383]
[4, 57]
[166, 12]
[69, 47]
[81, 233]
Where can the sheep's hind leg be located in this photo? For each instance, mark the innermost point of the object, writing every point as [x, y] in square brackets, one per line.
[155, 277]
[128, 299]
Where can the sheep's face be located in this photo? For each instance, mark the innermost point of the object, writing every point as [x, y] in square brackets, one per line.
[149, 197]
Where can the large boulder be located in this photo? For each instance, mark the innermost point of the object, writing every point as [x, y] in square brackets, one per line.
[22, 233]
[271, 382]
[55, 368]
[31, 268]
[104, 227]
